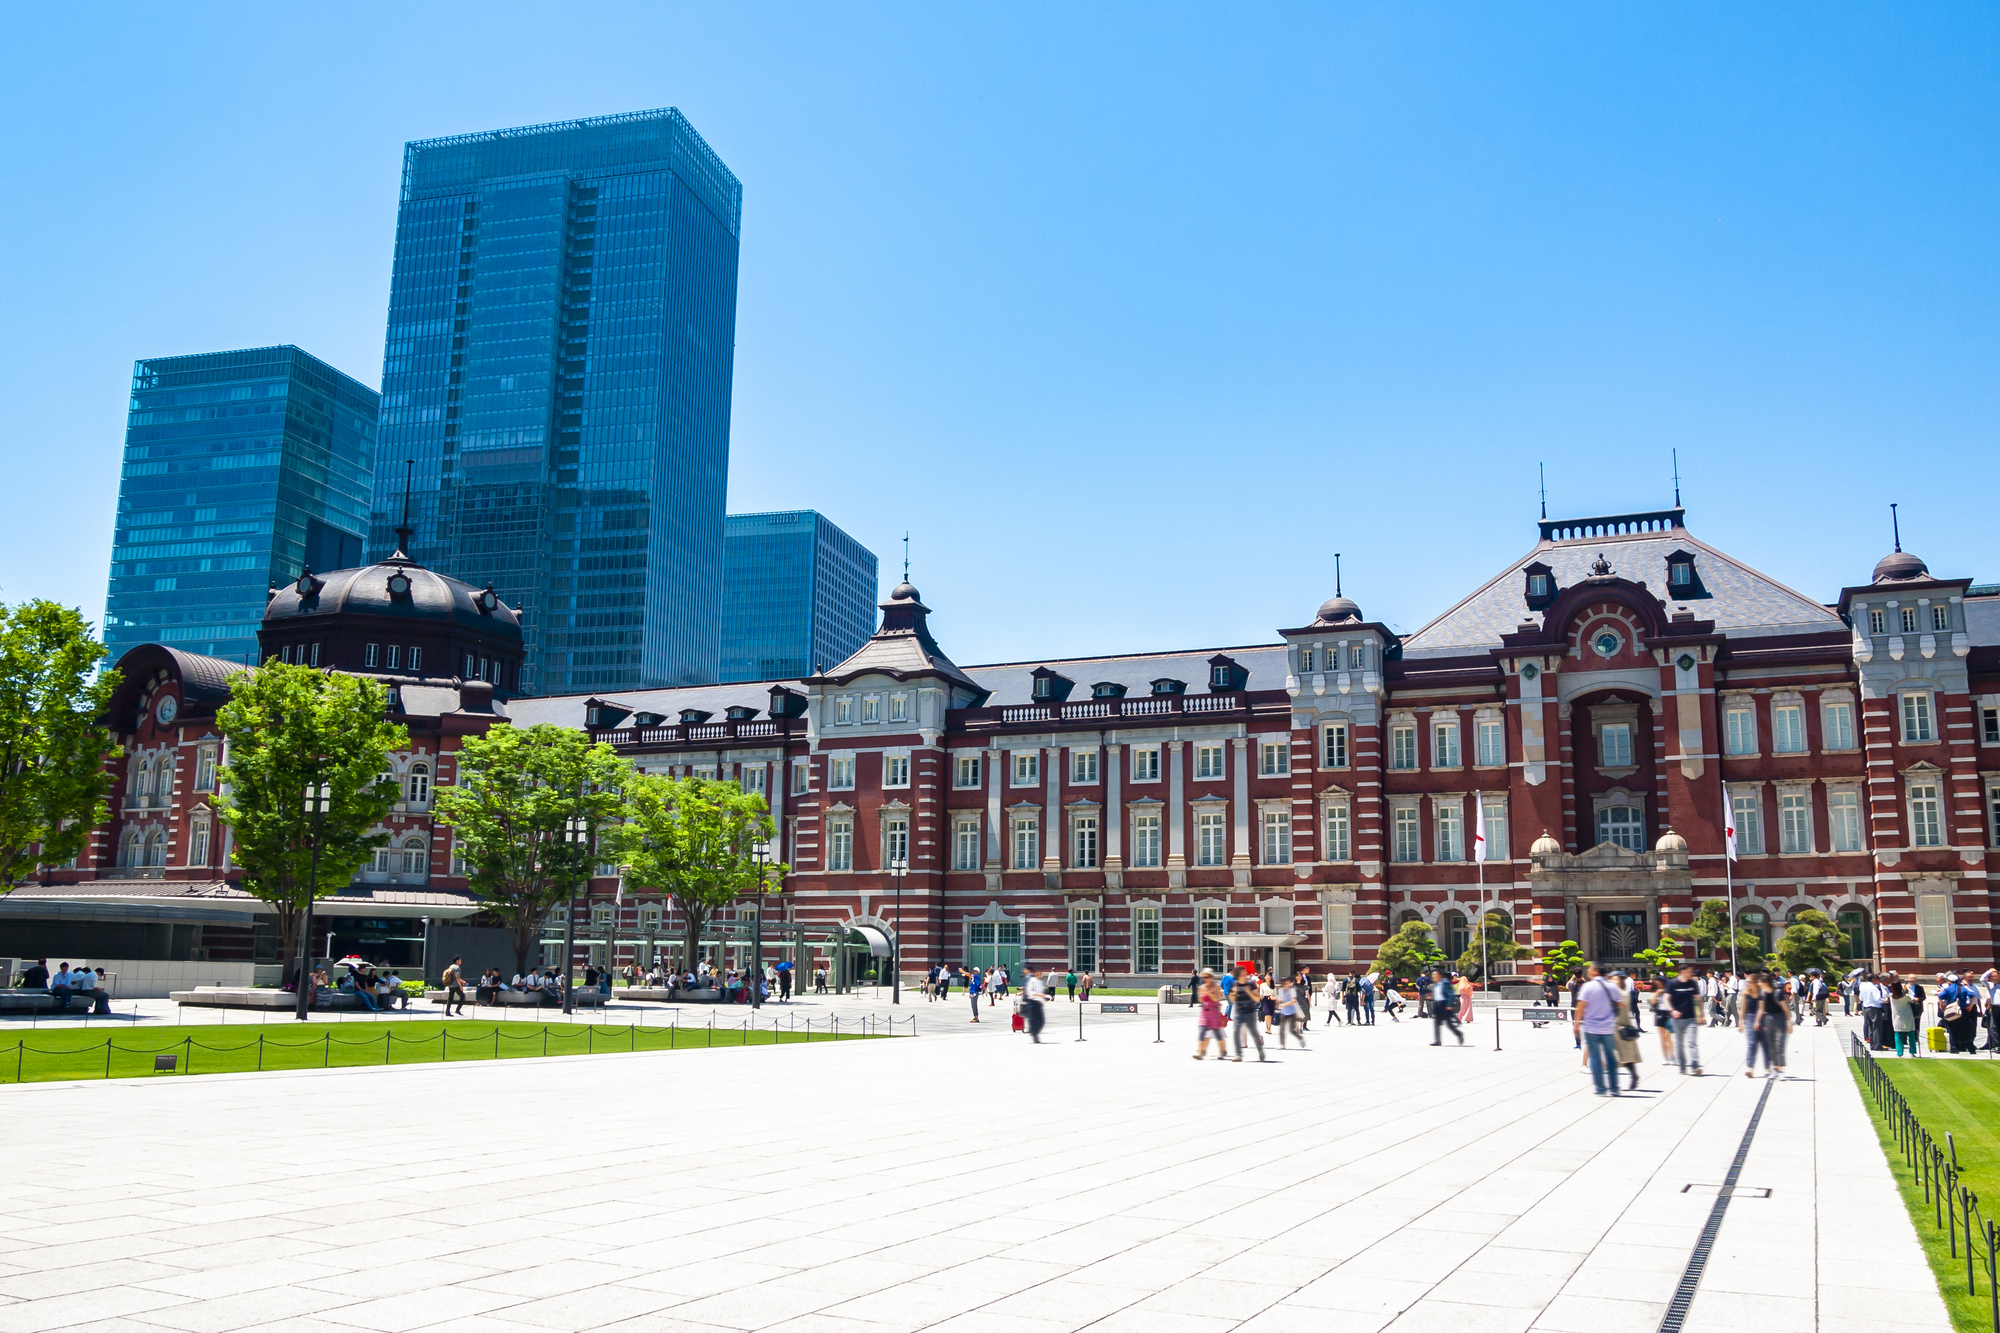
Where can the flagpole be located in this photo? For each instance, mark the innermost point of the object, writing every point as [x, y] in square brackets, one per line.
[1485, 966]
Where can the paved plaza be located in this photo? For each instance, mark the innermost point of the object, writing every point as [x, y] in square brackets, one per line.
[964, 1179]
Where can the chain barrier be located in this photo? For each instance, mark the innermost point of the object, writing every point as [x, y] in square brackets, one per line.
[1954, 1208]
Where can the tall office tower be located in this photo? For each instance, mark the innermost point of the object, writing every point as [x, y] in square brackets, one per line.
[241, 469]
[562, 328]
[799, 594]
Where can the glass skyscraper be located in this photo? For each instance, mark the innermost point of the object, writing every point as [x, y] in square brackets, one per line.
[799, 596]
[241, 469]
[562, 328]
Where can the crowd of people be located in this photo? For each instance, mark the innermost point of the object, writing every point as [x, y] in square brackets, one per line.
[88, 987]
[1895, 1010]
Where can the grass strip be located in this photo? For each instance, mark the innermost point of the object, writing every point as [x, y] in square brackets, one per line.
[42, 1057]
[1961, 1097]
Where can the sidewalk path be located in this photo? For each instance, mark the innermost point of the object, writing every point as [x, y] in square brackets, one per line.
[980, 1183]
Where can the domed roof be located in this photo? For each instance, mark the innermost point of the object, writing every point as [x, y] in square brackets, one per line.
[397, 587]
[1671, 841]
[1900, 567]
[1339, 610]
[1545, 846]
[904, 592]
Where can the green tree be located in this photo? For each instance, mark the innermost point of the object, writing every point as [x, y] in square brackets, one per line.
[519, 795]
[53, 743]
[1563, 962]
[696, 841]
[1812, 940]
[1501, 945]
[1410, 952]
[290, 727]
[1709, 933]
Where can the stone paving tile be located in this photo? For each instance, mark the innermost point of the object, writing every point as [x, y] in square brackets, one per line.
[1515, 1199]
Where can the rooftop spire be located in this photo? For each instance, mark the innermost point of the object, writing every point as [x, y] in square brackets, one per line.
[1336, 576]
[405, 531]
[1677, 479]
[1895, 527]
[906, 555]
[1541, 471]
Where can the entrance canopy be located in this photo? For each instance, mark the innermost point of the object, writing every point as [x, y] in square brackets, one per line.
[1259, 941]
[877, 942]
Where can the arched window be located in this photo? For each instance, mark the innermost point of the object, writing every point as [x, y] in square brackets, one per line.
[1622, 826]
[1860, 940]
[1455, 933]
[139, 782]
[156, 848]
[1407, 915]
[416, 856]
[198, 843]
[419, 785]
[133, 851]
[1753, 921]
[163, 781]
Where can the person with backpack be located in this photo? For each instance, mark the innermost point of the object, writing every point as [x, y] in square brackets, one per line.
[1243, 1000]
[1958, 1013]
[454, 988]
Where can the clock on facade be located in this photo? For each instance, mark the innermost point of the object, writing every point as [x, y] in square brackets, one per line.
[165, 709]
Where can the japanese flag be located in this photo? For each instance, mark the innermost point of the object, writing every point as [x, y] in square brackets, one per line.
[1728, 825]
[1479, 831]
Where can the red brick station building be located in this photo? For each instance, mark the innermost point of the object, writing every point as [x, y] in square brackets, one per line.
[1600, 701]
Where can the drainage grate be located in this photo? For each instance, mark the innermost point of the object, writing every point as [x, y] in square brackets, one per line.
[1735, 1191]
[1677, 1308]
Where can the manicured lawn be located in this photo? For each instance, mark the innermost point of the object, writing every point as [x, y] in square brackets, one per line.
[42, 1056]
[1960, 1097]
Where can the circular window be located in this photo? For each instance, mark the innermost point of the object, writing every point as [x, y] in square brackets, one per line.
[1529, 672]
[1607, 643]
[1685, 661]
[166, 709]
[399, 585]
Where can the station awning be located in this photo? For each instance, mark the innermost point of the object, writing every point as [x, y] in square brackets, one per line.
[878, 943]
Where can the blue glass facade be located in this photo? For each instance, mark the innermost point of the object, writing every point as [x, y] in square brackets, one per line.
[241, 468]
[799, 596]
[562, 329]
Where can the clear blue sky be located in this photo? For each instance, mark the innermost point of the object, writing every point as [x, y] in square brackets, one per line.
[1132, 315]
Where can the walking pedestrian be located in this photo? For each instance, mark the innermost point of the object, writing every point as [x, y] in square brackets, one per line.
[1350, 1000]
[1627, 1043]
[1684, 1005]
[1267, 1008]
[1663, 1016]
[1194, 987]
[973, 985]
[1594, 1023]
[1288, 1015]
[1465, 991]
[1368, 1000]
[454, 988]
[1766, 1022]
[1032, 996]
[1902, 1019]
[1069, 980]
[1243, 998]
[1303, 982]
[1331, 994]
[1444, 1009]
[1958, 1013]
[1210, 1022]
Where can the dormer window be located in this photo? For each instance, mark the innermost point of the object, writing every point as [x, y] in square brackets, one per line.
[1541, 586]
[694, 717]
[399, 585]
[1051, 687]
[1164, 686]
[1106, 689]
[1224, 673]
[593, 717]
[739, 713]
[639, 719]
[1683, 578]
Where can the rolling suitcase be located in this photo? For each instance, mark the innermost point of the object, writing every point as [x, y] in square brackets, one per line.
[1937, 1039]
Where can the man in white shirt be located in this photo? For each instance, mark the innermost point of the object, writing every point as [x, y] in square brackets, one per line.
[1033, 994]
[389, 987]
[1874, 1012]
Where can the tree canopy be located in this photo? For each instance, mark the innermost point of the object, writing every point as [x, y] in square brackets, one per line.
[695, 840]
[1409, 952]
[1812, 940]
[1501, 946]
[1564, 961]
[1709, 933]
[289, 728]
[53, 743]
[511, 809]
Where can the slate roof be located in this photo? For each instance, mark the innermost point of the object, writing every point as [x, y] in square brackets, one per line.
[365, 590]
[567, 710]
[1014, 682]
[1742, 602]
[1982, 621]
[224, 892]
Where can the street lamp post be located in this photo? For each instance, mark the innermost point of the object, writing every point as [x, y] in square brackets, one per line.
[898, 867]
[761, 854]
[318, 796]
[577, 833]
